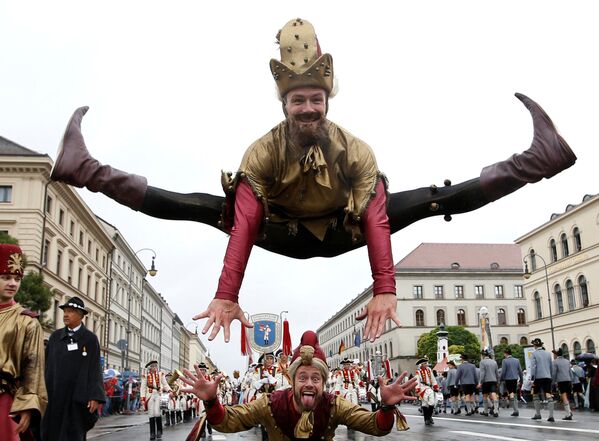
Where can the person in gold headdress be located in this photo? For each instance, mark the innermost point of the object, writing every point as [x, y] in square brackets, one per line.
[310, 186]
[23, 396]
[305, 410]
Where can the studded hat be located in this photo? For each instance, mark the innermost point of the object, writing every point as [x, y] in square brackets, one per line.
[537, 342]
[302, 64]
[75, 303]
[11, 259]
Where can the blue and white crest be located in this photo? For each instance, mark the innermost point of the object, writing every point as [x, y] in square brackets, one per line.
[267, 332]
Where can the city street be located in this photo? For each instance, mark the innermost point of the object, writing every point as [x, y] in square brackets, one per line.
[446, 428]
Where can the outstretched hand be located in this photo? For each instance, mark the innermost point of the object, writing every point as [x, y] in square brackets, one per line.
[205, 390]
[221, 313]
[396, 392]
[380, 308]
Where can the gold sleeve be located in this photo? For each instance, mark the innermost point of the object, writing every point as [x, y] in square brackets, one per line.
[244, 416]
[356, 417]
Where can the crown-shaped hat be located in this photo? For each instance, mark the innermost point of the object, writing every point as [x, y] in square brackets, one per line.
[302, 63]
[11, 259]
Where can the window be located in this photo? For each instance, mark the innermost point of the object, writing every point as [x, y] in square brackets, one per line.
[419, 317]
[504, 341]
[5, 193]
[570, 295]
[559, 300]
[48, 204]
[590, 346]
[81, 238]
[88, 285]
[89, 247]
[70, 271]
[584, 291]
[97, 254]
[533, 260]
[417, 291]
[479, 291]
[58, 262]
[46, 249]
[438, 290]
[440, 317]
[538, 310]
[523, 341]
[461, 317]
[553, 250]
[61, 217]
[577, 349]
[518, 292]
[72, 229]
[521, 316]
[79, 276]
[498, 291]
[501, 320]
[565, 351]
[458, 290]
[564, 241]
[577, 240]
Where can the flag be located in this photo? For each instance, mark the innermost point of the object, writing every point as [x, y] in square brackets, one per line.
[357, 340]
[341, 347]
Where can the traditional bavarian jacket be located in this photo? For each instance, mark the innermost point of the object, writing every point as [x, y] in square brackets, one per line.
[561, 370]
[153, 383]
[278, 416]
[489, 372]
[511, 369]
[541, 365]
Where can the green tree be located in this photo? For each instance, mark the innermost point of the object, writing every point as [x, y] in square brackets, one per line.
[517, 352]
[6, 238]
[457, 336]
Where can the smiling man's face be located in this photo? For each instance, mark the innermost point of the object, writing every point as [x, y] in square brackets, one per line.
[306, 110]
[308, 388]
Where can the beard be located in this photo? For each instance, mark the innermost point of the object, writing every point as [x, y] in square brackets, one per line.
[306, 399]
[306, 135]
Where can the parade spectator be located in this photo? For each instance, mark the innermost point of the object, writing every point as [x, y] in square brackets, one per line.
[577, 385]
[511, 372]
[73, 377]
[23, 396]
[593, 385]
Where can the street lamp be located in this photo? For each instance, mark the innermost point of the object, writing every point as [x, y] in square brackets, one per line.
[152, 271]
[527, 275]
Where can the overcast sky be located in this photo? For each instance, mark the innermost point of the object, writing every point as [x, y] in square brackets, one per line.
[178, 90]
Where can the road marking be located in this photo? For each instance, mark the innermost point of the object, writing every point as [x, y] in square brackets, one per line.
[530, 426]
[218, 437]
[486, 435]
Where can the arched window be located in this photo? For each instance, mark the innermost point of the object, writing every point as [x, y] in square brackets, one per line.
[559, 300]
[440, 317]
[521, 317]
[523, 341]
[533, 260]
[553, 250]
[503, 341]
[564, 241]
[577, 240]
[538, 310]
[501, 319]
[390, 349]
[386, 353]
[570, 295]
[584, 291]
[419, 317]
[461, 317]
[590, 346]
[577, 349]
[565, 351]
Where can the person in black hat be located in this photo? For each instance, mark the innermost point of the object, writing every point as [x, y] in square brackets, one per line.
[562, 376]
[73, 377]
[153, 386]
[426, 389]
[541, 367]
[467, 379]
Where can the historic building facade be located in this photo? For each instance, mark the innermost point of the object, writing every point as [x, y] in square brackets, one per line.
[562, 256]
[438, 283]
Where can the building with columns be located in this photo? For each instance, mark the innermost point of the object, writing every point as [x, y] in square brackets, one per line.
[60, 235]
[438, 283]
[562, 256]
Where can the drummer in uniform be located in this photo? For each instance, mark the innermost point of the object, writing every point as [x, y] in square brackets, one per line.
[263, 379]
[153, 385]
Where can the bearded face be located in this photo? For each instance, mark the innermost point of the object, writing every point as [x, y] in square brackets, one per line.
[308, 386]
[306, 109]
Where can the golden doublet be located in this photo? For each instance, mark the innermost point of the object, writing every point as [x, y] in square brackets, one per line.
[315, 184]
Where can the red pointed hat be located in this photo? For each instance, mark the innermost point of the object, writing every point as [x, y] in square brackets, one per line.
[11, 259]
[309, 338]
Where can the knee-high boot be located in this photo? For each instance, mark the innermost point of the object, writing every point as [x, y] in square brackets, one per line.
[75, 166]
[159, 427]
[152, 428]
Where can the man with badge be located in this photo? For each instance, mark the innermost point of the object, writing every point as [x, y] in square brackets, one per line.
[73, 377]
[153, 385]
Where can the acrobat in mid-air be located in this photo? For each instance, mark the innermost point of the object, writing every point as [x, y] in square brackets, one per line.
[309, 188]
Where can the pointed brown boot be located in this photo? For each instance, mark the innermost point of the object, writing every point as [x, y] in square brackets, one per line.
[75, 166]
[548, 155]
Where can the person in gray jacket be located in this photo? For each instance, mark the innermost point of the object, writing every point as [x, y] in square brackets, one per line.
[577, 390]
[562, 375]
[541, 367]
[467, 379]
[511, 372]
[489, 376]
[454, 390]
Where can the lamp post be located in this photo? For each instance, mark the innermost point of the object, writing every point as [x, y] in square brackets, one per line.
[152, 271]
[527, 275]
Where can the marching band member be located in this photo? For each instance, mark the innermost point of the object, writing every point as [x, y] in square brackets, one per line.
[153, 384]
[426, 388]
[347, 381]
[282, 373]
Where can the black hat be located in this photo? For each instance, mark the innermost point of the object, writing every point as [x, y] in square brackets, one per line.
[537, 342]
[202, 365]
[346, 361]
[422, 360]
[75, 303]
[464, 357]
[572, 361]
[485, 353]
[266, 354]
[451, 362]
[558, 352]
[149, 363]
